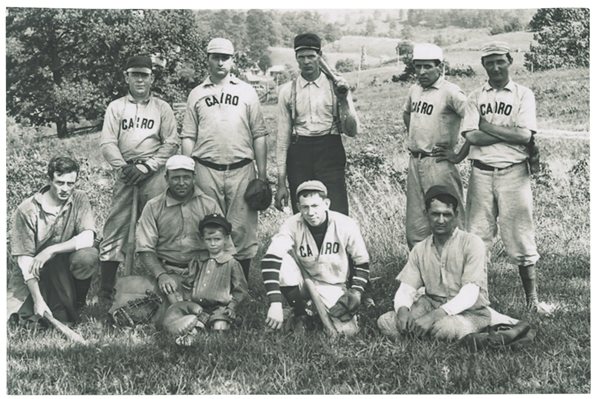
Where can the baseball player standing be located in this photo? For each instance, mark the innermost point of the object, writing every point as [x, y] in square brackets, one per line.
[499, 122]
[432, 114]
[138, 136]
[224, 132]
[313, 113]
[321, 242]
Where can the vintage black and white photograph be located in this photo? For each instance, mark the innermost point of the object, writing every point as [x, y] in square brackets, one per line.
[297, 201]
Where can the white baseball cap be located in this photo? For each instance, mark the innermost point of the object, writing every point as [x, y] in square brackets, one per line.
[180, 162]
[220, 45]
[427, 51]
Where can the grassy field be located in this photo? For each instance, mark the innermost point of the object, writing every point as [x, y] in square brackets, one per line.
[253, 360]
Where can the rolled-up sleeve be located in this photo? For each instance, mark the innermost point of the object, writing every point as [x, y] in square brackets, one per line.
[189, 129]
[284, 126]
[255, 116]
[23, 235]
[87, 220]
[526, 118]
[474, 270]
[146, 232]
[411, 274]
[470, 120]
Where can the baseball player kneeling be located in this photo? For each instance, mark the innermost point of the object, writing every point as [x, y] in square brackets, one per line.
[214, 284]
[316, 243]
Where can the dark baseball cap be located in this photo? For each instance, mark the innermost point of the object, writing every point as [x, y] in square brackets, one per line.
[214, 219]
[307, 41]
[436, 191]
[139, 63]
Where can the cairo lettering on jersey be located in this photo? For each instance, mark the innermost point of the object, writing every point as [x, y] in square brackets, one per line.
[223, 99]
[140, 123]
[327, 248]
[422, 107]
[499, 108]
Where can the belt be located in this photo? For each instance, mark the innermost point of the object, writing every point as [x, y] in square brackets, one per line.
[173, 264]
[221, 167]
[419, 154]
[483, 166]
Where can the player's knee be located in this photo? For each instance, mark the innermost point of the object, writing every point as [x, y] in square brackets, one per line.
[84, 263]
[221, 325]
[387, 324]
[289, 274]
[452, 327]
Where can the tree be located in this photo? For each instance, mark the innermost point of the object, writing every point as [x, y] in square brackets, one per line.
[264, 62]
[370, 28]
[260, 32]
[563, 39]
[345, 65]
[63, 65]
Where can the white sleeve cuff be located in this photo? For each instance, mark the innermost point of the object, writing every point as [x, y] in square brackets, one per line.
[466, 297]
[152, 164]
[405, 296]
[24, 263]
[85, 239]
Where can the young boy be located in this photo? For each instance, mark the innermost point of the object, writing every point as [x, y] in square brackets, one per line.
[216, 282]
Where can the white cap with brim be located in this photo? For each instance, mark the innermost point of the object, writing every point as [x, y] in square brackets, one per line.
[219, 45]
[180, 162]
[427, 51]
[495, 48]
[311, 185]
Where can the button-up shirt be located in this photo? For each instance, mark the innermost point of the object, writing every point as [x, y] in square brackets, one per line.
[511, 106]
[223, 120]
[36, 227]
[138, 131]
[462, 261]
[169, 227]
[217, 280]
[435, 115]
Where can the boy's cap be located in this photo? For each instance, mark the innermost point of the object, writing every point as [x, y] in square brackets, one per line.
[216, 220]
[139, 63]
[311, 185]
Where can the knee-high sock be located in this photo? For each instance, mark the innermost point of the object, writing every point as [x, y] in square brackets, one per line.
[108, 275]
[293, 296]
[81, 290]
[245, 267]
[528, 278]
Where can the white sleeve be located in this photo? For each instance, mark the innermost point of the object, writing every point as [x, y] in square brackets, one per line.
[466, 297]
[405, 296]
[85, 239]
[24, 263]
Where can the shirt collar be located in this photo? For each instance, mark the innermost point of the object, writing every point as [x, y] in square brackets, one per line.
[230, 79]
[437, 84]
[320, 81]
[39, 199]
[133, 100]
[451, 238]
[222, 258]
[170, 201]
[510, 86]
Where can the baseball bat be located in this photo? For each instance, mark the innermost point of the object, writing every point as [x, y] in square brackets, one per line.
[66, 331]
[130, 253]
[316, 298]
[331, 74]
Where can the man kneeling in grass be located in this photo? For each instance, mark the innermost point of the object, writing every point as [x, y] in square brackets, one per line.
[451, 265]
[316, 242]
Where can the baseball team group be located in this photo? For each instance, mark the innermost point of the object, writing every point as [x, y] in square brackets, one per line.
[196, 233]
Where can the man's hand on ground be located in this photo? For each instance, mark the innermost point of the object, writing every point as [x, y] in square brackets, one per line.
[404, 319]
[275, 316]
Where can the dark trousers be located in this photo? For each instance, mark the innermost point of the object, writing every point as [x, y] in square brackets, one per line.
[319, 158]
[61, 285]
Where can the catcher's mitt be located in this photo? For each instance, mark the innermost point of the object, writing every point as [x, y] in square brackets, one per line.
[136, 311]
[258, 195]
[182, 317]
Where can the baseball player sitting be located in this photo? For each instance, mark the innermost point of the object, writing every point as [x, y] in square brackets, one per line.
[451, 265]
[316, 242]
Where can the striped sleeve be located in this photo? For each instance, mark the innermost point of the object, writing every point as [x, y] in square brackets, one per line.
[361, 276]
[270, 265]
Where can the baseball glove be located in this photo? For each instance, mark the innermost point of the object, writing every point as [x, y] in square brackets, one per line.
[347, 306]
[136, 311]
[258, 195]
[182, 317]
